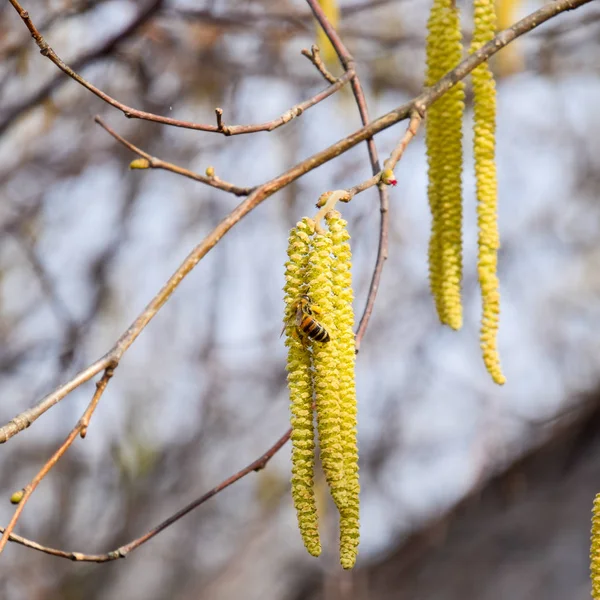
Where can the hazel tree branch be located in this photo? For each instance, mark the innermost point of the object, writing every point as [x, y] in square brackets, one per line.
[314, 55]
[157, 163]
[133, 113]
[123, 551]
[79, 429]
[382, 247]
[391, 162]
[264, 191]
[13, 113]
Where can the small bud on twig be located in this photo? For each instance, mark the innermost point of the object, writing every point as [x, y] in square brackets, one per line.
[139, 163]
[17, 497]
[210, 171]
[388, 177]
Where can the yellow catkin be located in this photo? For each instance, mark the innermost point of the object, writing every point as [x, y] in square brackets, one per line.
[301, 392]
[595, 549]
[444, 151]
[484, 139]
[326, 361]
[510, 60]
[332, 12]
[344, 316]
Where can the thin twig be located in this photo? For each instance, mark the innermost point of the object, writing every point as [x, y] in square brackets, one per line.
[382, 248]
[79, 429]
[260, 194]
[123, 551]
[395, 156]
[133, 113]
[13, 113]
[157, 163]
[314, 55]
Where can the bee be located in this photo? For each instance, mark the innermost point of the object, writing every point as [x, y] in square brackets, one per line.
[306, 322]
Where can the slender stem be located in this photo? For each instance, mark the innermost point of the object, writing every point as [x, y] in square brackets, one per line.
[382, 247]
[123, 551]
[133, 113]
[79, 429]
[157, 163]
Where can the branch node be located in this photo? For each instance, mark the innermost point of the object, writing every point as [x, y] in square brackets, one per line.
[326, 202]
[221, 127]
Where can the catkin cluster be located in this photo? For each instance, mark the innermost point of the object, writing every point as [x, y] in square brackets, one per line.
[322, 374]
[444, 151]
[595, 549]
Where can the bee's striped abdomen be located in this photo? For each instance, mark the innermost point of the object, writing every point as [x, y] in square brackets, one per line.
[313, 329]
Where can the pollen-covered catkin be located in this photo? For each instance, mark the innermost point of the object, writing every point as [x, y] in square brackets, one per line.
[444, 152]
[326, 361]
[595, 549]
[301, 392]
[344, 316]
[484, 140]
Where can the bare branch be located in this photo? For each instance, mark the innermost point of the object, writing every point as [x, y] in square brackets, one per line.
[133, 113]
[382, 247]
[79, 429]
[157, 163]
[12, 114]
[123, 551]
[395, 156]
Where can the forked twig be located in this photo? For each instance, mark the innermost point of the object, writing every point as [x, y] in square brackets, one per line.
[126, 549]
[157, 163]
[134, 113]
[79, 429]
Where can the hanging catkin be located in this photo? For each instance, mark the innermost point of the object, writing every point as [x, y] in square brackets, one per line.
[325, 362]
[444, 153]
[301, 393]
[484, 140]
[342, 307]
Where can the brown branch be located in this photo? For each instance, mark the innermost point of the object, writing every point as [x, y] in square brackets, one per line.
[266, 190]
[79, 429]
[123, 551]
[157, 163]
[382, 247]
[394, 158]
[88, 58]
[133, 113]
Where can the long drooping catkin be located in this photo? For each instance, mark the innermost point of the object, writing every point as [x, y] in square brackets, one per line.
[344, 315]
[326, 361]
[444, 153]
[484, 99]
[301, 393]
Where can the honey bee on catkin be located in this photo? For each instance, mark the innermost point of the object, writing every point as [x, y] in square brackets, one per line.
[303, 312]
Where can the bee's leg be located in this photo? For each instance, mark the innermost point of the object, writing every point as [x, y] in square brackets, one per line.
[299, 335]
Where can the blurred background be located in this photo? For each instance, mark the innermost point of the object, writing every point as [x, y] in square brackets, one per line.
[468, 490]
